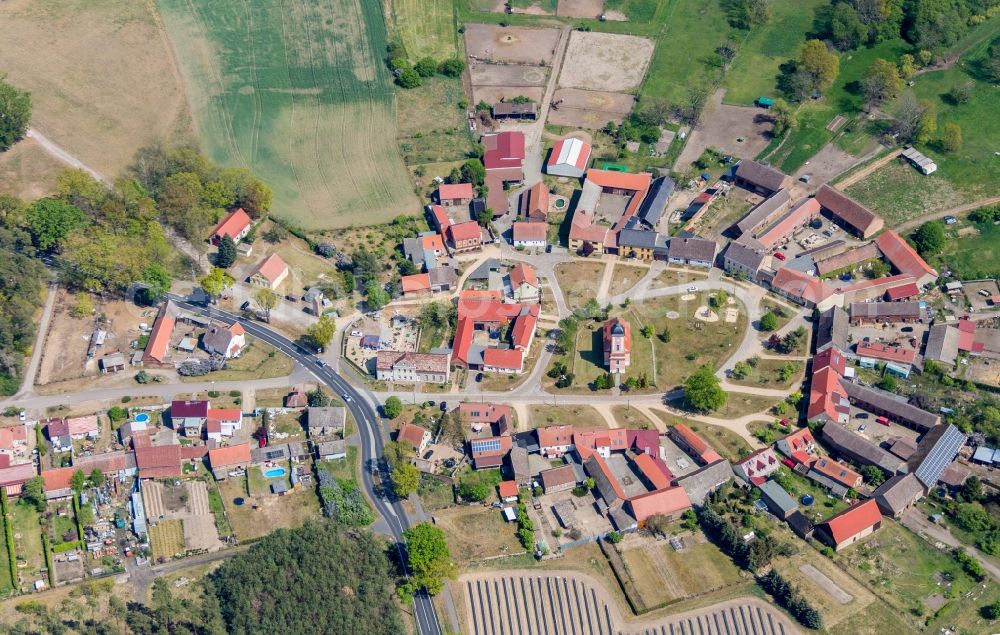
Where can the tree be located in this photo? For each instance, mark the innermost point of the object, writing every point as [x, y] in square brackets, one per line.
[15, 114]
[784, 117]
[429, 557]
[819, 64]
[226, 255]
[873, 475]
[408, 78]
[216, 282]
[846, 28]
[375, 296]
[473, 172]
[702, 390]
[34, 492]
[265, 299]
[97, 477]
[887, 383]
[962, 93]
[647, 331]
[117, 413]
[992, 611]
[936, 24]
[746, 14]
[452, 67]
[321, 332]
[426, 67]
[930, 239]
[951, 139]
[927, 125]
[768, 321]
[317, 398]
[405, 479]
[881, 83]
[741, 370]
[485, 217]
[989, 66]
[907, 66]
[665, 335]
[392, 408]
[51, 221]
[973, 517]
[78, 480]
[84, 307]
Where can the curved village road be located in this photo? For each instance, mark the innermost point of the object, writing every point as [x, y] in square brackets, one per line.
[362, 406]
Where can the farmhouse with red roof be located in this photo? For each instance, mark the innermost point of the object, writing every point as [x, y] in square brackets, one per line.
[850, 525]
[236, 225]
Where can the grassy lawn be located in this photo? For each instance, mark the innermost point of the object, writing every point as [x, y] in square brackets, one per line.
[430, 127]
[272, 512]
[342, 468]
[673, 277]
[902, 568]
[61, 525]
[588, 362]
[580, 416]
[258, 360]
[693, 342]
[624, 277]
[691, 31]
[215, 503]
[897, 192]
[425, 27]
[972, 255]
[754, 72]
[258, 485]
[6, 584]
[824, 505]
[28, 540]
[767, 374]
[435, 493]
[726, 442]
[166, 538]
[476, 532]
[579, 280]
[627, 417]
[664, 575]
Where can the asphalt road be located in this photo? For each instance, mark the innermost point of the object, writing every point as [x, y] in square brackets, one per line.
[362, 405]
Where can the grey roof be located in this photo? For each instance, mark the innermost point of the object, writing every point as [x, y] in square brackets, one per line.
[519, 463]
[800, 524]
[217, 338]
[935, 452]
[802, 263]
[832, 329]
[875, 310]
[482, 272]
[442, 276]
[771, 206]
[761, 175]
[326, 417]
[898, 407]
[655, 203]
[897, 493]
[836, 488]
[641, 239]
[601, 481]
[902, 447]
[692, 249]
[700, 483]
[279, 487]
[942, 344]
[744, 256]
[777, 498]
[327, 448]
[856, 448]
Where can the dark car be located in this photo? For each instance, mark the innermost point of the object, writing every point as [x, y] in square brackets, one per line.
[444, 406]
[479, 377]
[245, 306]
[861, 415]
[431, 403]
[906, 329]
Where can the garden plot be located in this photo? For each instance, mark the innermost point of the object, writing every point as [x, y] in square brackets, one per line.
[593, 109]
[185, 512]
[605, 61]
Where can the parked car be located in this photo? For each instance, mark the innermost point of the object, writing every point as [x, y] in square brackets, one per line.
[861, 415]
[692, 289]
[779, 255]
[356, 334]
[861, 428]
[950, 220]
[479, 377]
[245, 306]
[444, 406]
[884, 421]
[906, 329]
[984, 293]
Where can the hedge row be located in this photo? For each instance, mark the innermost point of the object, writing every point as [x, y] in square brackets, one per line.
[9, 535]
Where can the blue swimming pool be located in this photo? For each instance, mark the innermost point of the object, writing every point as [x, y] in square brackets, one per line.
[142, 417]
[275, 472]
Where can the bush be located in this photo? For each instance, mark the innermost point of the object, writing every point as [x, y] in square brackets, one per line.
[452, 67]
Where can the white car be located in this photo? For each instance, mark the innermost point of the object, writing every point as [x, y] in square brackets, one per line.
[356, 333]
[22, 416]
[692, 289]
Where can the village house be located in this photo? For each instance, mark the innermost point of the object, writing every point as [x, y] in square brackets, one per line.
[188, 418]
[763, 215]
[415, 285]
[463, 237]
[742, 259]
[13, 478]
[655, 203]
[524, 285]
[489, 452]
[57, 483]
[756, 467]
[223, 423]
[617, 338]
[694, 251]
[236, 225]
[226, 340]
[886, 312]
[848, 213]
[643, 245]
[269, 273]
[325, 421]
[534, 203]
[897, 494]
[529, 234]
[481, 314]
[157, 348]
[416, 436]
[558, 479]
[497, 417]
[569, 157]
[455, 194]
[834, 476]
[905, 259]
[162, 461]
[761, 179]
[331, 450]
[112, 362]
[503, 158]
[409, 367]
[857, 449]
[554, 441]
[778, 501]
[693, 445]
[231, 458]
[850, 525]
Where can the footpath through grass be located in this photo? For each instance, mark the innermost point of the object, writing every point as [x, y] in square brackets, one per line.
[297, 92]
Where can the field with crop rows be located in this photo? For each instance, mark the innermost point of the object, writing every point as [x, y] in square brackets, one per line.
[298, 93]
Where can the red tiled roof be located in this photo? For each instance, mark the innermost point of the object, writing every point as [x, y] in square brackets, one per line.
[582, 227]
[509, 359]
[621, 180]
[58, 478]
[535, 200]
[529, 232]
[552, 436]
[432, 242]
[697, 444]
[508, 489]
[271, 268]
[554, 477]
[667, 501]
[795, 218]
[159, 339]
[17, 474]
[415, 283]
[472, 295]
[469, 230]
[862, 219]
[837, 472]
[832, 358]
[903, 291]
[967, 336]
[524, 274]
[801, 285]
[11, 434]
[82, 425]
[451, 191]
[614, 439]
[878, 350]
[902, 256]
[887, 283]
[826, 395]
[229, 455]
[853, 521]
[159, 461]
[412, 434]
[503, 150]
[232, 225]
[464, 332]
[57, 428]
[485, 412]
[440, 217]
[652, 471]
[523, 331]
[225, 414]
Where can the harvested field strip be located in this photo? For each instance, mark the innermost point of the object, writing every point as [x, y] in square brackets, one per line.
[425, 27]
[297, 93]
[570, 602]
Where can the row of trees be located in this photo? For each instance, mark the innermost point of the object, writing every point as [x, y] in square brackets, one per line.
[789, 596]
[409, 74]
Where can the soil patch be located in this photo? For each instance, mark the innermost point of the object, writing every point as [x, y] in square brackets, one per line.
[605, 61]
[516, 45]
[589, 108]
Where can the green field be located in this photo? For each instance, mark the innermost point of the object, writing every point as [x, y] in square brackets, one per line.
[296, 92]
[754, 72]
[425, 27]
[430, 125]
[973, 257]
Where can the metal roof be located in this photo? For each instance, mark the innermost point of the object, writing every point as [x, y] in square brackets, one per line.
[936, 459]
